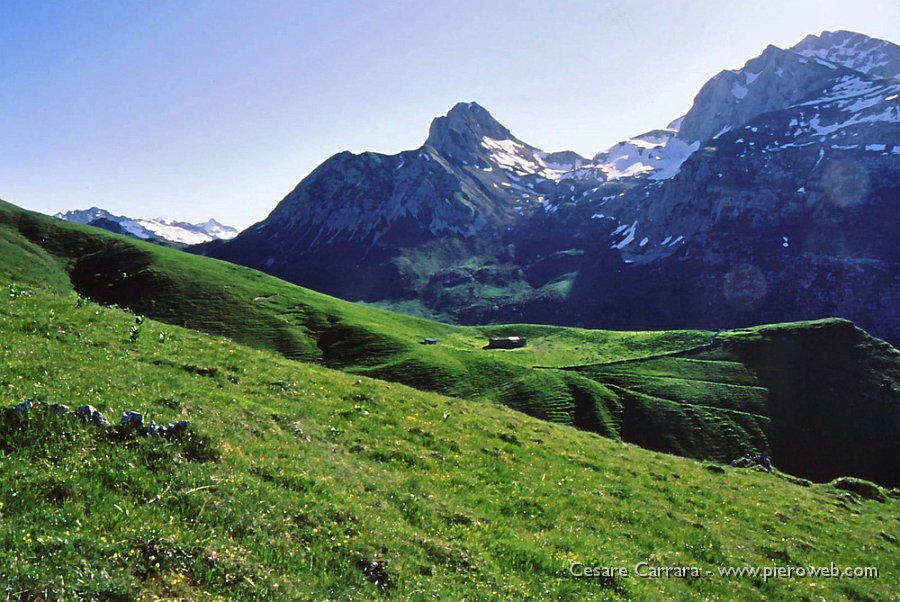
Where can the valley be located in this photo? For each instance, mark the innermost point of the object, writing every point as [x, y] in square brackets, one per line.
[701, 394]
[298, 481]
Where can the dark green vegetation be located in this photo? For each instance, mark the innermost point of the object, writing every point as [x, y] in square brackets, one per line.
[821, 397]
[294, 478]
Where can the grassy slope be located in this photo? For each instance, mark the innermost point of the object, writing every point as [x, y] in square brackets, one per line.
[669, 391]
[323, 471]
[268, 313]
[263, 311]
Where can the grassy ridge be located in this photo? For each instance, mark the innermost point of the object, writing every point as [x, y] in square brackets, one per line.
[321, 472]
[266, 312]
[694, 393]
[262, 311]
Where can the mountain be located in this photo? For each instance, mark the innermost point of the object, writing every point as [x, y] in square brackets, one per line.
[774, 80]
[471, 180]
[161, 230]
[772, 199]
[792, 215]
[878, 58]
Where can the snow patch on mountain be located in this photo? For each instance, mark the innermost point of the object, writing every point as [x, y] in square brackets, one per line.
[148, 229]
[523, 160]
[657, 155]
[856, 51]
[851, 101]
[853, 94]
[629, 232]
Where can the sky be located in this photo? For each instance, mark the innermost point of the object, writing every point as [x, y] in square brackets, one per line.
[199, 109]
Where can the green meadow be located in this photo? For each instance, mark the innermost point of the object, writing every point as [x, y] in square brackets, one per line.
[326, 438]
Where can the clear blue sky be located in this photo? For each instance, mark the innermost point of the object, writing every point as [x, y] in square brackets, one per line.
[192, 109]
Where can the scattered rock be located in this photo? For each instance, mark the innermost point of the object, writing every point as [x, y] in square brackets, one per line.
[177, 428]
[888, 537]
[151, 429]
[865, 489]
[714, 468]
[376, 573]
[298, 431]
[24, 407]
[90, 414]
[754, 460]
[173, 429]
[132, 417]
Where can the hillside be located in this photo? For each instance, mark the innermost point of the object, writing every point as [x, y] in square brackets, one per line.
[294, 479]
[685, 392]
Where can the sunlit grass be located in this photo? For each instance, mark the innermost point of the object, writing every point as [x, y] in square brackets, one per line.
[321, 473]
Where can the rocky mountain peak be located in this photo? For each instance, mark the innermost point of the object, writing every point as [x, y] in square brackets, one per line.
[872, 56]
[779, 176]
[773, 80]
[463, 128]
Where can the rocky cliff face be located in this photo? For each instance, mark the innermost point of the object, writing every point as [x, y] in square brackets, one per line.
[774, 80]
[472, 180]
[800, 205]
[774, 198]
[878, 58]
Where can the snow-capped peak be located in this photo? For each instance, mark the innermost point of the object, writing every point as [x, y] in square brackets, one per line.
[462, 128]
[856, 51]
[150, 229]
[468, 136]
[218, 230]
[657, 154]
[774, 80]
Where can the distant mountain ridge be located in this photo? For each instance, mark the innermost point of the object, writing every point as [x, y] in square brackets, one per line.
[151, 229]
[773, 198]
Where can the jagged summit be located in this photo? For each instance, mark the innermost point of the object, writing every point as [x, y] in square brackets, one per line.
[872, 56]
[775, 79]
[778, 78]
[463, 128]
[470, 138]
[787, 163]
